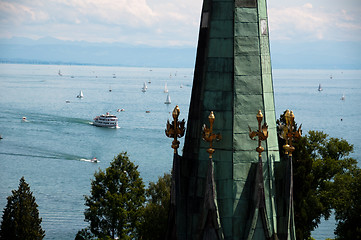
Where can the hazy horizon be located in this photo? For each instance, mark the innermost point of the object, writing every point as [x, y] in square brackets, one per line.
[303, 34]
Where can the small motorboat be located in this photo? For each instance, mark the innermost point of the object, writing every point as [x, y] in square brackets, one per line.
[94, 160]
[23, 119]
[343, 97]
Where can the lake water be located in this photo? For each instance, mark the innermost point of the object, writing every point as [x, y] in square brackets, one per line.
[49, 148]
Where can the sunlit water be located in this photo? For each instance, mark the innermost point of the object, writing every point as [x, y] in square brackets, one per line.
[52, 148]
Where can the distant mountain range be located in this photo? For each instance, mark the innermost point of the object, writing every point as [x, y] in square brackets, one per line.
[312, 55]
[54, 51]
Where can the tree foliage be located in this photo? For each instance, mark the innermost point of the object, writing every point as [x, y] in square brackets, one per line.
[346, 197]
[321, 165]
[84, 234]
[156, 211]
[116, 202]
[21, 216]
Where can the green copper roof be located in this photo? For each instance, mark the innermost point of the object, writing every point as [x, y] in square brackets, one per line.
[233, 78]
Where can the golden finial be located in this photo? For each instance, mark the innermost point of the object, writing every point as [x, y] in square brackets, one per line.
[209, 136]
[175, 129]
[262, 133]
[285, 131]
[289, 133]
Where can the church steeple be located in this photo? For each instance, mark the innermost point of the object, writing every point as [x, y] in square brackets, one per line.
[232, 78]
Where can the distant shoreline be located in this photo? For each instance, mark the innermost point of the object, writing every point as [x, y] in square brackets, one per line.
[38, 62]
[60, 63]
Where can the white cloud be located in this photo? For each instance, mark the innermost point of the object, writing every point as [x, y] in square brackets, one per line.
[310, 23]
[15, 13]
[168, 22]
[308, 5]
[156, 22]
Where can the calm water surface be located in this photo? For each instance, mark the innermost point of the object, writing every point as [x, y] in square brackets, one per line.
[50, 147]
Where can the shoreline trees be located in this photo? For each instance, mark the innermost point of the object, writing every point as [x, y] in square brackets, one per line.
[115, 204]
[21, 216]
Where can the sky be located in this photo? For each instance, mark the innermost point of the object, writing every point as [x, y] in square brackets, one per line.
[170, 22]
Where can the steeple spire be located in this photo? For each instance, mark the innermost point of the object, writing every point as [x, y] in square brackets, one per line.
[233, 79]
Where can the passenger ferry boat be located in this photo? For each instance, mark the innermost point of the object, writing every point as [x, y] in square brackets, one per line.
[106, 120]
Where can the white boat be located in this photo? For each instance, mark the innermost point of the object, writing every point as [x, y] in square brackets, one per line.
[80, 95]
[59, 73]
[165, 88]
[93, 160]
[168, 101]
[319, 88]
[144, 88]
[343, 97]
[106, 120]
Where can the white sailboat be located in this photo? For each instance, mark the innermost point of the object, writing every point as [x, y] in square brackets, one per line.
[80, 95]
[59, 73]
[165, 86]
[144, 88]
[319, 88]
[167, 100]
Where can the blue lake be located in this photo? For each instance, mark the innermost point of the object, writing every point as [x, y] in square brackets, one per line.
[49, 148]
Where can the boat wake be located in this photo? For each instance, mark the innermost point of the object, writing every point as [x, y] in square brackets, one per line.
[43, 156]
[48, 119]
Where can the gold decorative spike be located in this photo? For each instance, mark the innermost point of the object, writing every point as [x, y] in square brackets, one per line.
[175, 129]
[289, 133]
[262, 133]
[285, 131]
[208, 135]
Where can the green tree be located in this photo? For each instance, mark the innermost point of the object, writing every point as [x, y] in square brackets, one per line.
[346, 196]
[317, 161]
[84, 234]
[155, 216]
[116, 201]
[21, 216]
